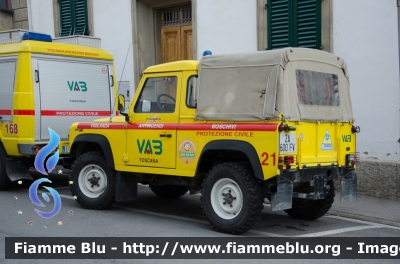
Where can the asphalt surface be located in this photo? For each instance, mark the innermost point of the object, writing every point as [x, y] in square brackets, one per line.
[151, 216]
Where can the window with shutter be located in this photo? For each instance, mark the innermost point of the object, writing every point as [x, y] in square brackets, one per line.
[5, 5]
[294, 23]
[73, 17]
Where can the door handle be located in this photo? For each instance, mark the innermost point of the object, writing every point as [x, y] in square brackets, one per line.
[166, 135]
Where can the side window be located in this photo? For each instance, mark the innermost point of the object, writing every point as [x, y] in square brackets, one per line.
[192, 92]
[317, 88]
[158, 95]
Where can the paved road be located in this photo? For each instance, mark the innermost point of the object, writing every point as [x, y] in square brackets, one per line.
[151, 216]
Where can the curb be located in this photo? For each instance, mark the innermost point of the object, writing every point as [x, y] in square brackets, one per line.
[364, 218]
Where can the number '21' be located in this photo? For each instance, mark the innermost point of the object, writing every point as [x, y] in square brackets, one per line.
[266, 156]
[12, 129]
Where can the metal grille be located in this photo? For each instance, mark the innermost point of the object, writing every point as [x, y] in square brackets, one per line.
[179, 15]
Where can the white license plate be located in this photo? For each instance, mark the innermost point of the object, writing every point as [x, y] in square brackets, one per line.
[287, 142]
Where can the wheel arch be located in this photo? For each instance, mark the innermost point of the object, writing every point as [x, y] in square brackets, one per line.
[92, 142]
[231, 145]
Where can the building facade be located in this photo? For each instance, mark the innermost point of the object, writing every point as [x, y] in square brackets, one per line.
[140, 33]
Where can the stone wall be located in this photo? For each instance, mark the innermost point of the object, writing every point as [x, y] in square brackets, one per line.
[378, 179]
[20, 17]
[6, 21]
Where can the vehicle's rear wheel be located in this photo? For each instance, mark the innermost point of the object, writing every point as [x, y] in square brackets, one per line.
[169, 191]
[93, 184]
[5, 182]
[232, 198]
[307, 209]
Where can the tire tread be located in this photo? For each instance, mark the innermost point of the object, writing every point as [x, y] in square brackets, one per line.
[110, 199]
[255, 196]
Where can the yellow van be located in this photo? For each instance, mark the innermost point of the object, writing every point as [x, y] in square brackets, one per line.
[48, 83]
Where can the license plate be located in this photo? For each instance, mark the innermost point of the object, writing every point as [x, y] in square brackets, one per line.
[65, 149]
[287, 143]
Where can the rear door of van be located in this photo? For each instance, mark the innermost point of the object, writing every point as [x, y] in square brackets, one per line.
[70, 90]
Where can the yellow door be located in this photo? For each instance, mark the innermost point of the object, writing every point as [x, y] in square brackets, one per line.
[152, 130]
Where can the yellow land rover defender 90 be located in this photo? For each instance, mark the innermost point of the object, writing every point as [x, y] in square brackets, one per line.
[238, 128]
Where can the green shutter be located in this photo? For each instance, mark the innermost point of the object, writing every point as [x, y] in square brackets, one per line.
[308, 24]
[73, 17]
[66, 18]
[294, 23]
[278, 24]
[81, 18]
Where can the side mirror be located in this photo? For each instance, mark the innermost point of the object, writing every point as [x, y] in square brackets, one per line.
[121, 103]
[121, 106]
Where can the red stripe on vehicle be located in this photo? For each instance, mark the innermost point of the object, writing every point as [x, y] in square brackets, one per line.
[155, 126]
[228, 127]
[74, 113]
[5, 112]
[24, 112]
[169, 126]
[101, 126]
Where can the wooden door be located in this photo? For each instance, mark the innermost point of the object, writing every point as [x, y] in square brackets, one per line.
[176, 34]
[186, 43]
[171, 44]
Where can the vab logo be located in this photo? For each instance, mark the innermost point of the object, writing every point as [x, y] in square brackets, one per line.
[77, 86]
[147, 146]
[35, 199]
[45, 163]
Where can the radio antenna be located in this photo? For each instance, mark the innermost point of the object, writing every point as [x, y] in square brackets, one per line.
[123, 69]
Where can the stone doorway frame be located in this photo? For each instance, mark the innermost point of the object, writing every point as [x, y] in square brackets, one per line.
[146, 32]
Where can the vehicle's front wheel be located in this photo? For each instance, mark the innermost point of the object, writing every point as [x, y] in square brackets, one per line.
[93, 182]
[169, 191]
[5, 182]
[307, 209]
[232, 198]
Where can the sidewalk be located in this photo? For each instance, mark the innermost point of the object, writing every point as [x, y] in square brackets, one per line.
[367, 208]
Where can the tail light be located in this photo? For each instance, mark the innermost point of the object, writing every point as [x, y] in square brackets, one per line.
[352, 158]
[285, 161]
[286, 128]
[355, 129]
[37, 148]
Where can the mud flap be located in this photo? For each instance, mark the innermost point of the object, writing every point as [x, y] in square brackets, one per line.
[282, 200]
[16, 172]
[349, 186]
[126, 187]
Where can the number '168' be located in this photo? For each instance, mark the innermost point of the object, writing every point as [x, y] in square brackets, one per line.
[12, 129]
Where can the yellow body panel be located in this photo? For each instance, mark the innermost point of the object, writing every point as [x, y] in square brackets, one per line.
[24, 96]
